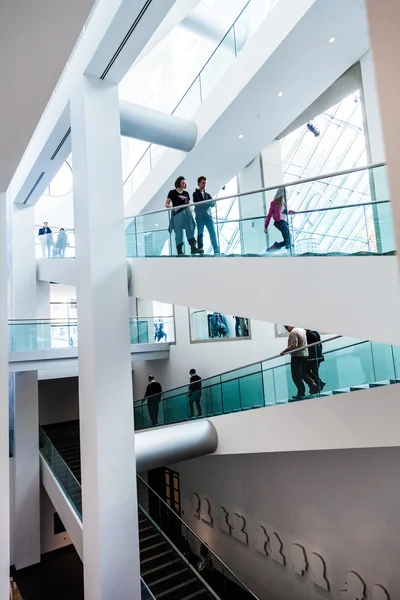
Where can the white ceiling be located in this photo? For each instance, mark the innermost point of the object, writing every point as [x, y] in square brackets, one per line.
[36, 39]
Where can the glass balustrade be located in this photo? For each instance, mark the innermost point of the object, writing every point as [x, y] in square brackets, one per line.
[348, 213]
[62, 472]
[345, 367]
[248, 20]
[46, 334]
[56, 244]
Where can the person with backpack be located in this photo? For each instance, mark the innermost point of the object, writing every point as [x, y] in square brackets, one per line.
[194, 393]
[279, 213]
[315, 358]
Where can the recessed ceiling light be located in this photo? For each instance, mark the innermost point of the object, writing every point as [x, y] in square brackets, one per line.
[280, 94]
[332, 39]
[156, 224]
[240, 136]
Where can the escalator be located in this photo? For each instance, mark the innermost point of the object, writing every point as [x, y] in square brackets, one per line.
[169, 549]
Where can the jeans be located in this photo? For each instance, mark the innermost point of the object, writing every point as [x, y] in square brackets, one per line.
[313, 372]
[194, 397]
[183, 221]
[204, 219]
[283, 227]
[298, 367]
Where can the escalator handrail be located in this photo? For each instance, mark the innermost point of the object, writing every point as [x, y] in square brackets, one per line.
[198, 537]
[203, 381]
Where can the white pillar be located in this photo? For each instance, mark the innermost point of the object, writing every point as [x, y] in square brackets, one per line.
[26, 403]
[376, 154]
[384, 23]
[4, 460]
[110, 528]
[252, 233]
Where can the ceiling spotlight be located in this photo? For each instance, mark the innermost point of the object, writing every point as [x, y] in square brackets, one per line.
[280, 94]
[331, 40]
[241, 136]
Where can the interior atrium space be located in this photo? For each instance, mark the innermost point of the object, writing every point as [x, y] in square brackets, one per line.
[199, 324]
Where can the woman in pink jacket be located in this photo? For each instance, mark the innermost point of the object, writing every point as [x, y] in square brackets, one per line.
[279, 213]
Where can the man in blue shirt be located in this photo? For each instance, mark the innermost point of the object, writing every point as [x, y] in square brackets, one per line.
[203, 215]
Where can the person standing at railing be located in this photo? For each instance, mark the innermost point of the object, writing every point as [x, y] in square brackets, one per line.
[203, 215]
[181, 219]
[297, 345]
[194, 393]
[62, 243]
[46, 239]
[279, 213]
[315, 358]
[153, 396]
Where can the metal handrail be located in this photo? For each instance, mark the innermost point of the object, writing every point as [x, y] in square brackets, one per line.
[70, 322]
[198, 537]
[271, 188]
[257, 362]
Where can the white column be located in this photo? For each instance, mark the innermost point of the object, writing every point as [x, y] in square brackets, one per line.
[376, 154]
[384, 23]
[4, 460]
[110, 528]
[252, 231]
[26, 403]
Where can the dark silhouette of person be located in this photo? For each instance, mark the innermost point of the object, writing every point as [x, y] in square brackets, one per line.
[194, 393]
[153, 396]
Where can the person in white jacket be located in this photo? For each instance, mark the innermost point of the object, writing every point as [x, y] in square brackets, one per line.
[297, 346]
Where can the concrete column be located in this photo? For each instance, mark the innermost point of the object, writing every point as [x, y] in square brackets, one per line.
[110, 528]
[4, 460]
[384, 23]
[26, 403]
[376, 154]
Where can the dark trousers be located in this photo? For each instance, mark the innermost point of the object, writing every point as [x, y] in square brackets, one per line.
[313, 372]
[152, 407]
[194, 397]
[298, 367]
[283, 227]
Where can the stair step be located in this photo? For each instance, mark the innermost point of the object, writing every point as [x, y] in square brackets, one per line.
[169, 576]
[163, 566]
[376, 384]
[176, 587]
[153, 546]
[341, 391]
[149, 537]
[195, 594]
[357, 388]
[146, 528]
[143, 561]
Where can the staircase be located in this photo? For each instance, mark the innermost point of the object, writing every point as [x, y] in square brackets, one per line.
[163, 569]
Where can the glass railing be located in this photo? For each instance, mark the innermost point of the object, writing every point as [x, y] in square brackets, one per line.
[220, 579]
[345, 367]
[71, 486]
[223, 56]
[46, 334]
[56, 244]
[347, 213]
[62, 472]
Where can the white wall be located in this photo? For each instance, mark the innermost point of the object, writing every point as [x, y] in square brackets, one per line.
[332, 294]
[208, 358]
[49, 541]
[342, 505]
[58, 212]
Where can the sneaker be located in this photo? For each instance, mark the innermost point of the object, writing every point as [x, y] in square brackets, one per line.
[322, 385]
[273, 248]
[313, 390]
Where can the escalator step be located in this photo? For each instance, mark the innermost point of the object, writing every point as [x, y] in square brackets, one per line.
[200, 592]
[168, 575]
[152, 541]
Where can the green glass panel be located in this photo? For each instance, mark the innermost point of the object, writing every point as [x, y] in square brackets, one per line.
[269, 387]
[382, 355]
[251, 390]
[348, 367]
[230, 395]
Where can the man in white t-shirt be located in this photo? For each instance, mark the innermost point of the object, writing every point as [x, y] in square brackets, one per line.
[297, 346]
